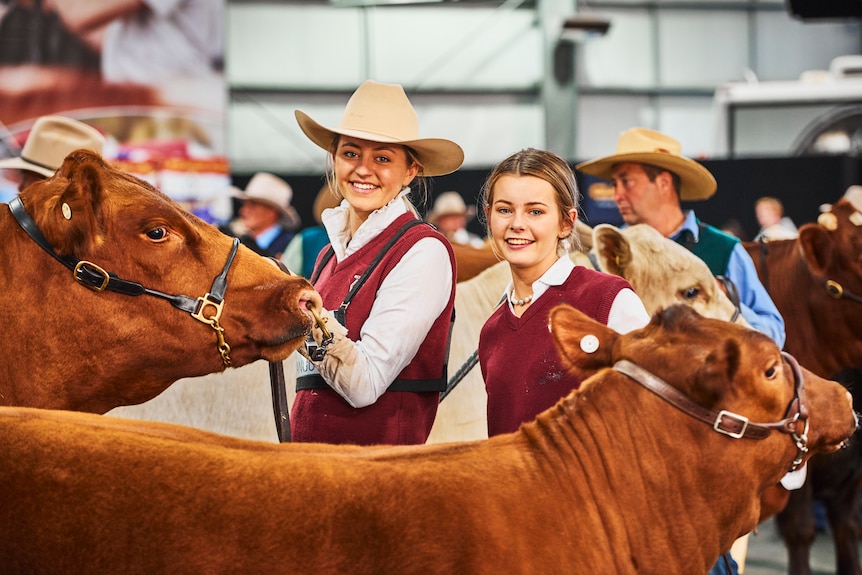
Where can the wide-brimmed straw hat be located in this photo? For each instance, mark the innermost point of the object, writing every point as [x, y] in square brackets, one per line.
[643, 146]
[270, 190]
[449, 203]
[50, 140]
[382, 113]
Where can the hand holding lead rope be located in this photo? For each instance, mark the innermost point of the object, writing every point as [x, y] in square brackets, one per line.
[319, 352]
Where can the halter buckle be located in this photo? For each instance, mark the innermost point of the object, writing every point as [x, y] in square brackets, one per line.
[724, 415]
[206, 302]
[97, 280]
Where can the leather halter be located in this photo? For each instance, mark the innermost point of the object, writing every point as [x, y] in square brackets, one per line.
[97, 279]
[727, 422]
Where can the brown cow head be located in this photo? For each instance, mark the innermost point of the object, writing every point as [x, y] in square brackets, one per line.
[716, 364]
[77, 348]
[832, 248]
[634, 253]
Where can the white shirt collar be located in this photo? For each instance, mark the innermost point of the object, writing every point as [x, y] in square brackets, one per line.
[556, 275]
[335, 220]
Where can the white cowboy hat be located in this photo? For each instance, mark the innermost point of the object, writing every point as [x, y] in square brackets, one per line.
[643, 146]
[449, 203]
[51, 139]
[272, 191]
[382, 113]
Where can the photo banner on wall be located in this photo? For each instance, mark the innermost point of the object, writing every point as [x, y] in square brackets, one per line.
[150, 78]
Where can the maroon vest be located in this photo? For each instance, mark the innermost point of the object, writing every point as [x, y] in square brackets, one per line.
[520, 363]
[406, 412]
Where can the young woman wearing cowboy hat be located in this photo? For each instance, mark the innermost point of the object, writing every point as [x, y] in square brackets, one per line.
[378, 380]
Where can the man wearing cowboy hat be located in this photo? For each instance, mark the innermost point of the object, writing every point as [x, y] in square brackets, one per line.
[50, 140]
[650, 177]
[268, 221]
[450, 215]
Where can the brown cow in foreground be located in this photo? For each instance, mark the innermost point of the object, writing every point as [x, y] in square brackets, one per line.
[816, 283]
[68, 346]
[614, 479]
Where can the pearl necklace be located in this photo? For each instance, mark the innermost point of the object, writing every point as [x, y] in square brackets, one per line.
[524, 301]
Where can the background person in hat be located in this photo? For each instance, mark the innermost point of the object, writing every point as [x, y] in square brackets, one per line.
[303, 249]
[50, 140]
[650, 177]
[450, 215]
[267, 220]
[380, 378]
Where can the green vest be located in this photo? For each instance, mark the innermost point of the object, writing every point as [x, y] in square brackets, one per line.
[713, 246]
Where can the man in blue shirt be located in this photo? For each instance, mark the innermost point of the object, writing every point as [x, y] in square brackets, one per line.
[650, 178]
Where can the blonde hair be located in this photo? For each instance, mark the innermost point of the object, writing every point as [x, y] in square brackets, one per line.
[549, 167]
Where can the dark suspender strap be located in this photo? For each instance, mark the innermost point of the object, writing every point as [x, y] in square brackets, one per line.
[324, 260]
[413, 385]
[342, 309]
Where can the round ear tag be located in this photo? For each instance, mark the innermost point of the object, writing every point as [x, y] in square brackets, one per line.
[828, 220]
[67, 211]
[589, 343]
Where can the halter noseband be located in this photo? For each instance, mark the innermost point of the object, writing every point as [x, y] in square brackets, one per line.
[729, 423]
[206, 309]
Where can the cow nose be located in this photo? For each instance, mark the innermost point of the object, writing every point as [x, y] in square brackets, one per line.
[310, 300]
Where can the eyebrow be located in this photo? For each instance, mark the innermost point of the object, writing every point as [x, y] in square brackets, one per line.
[381, 148]
[530, 204]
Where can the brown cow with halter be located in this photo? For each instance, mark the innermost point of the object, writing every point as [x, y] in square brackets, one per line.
[816, 283]
[110, 292]
[653, 466]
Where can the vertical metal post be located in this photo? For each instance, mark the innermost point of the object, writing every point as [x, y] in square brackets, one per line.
[559, 86]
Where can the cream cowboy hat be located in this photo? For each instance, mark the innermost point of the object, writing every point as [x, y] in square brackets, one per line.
[272, 191]
[382, 113]
[51, 139]
[449, 203]
[643, 146]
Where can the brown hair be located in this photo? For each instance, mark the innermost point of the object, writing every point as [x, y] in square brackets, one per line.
[544, 165]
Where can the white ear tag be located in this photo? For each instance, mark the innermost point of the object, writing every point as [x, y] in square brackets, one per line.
[795, 479]
[589, 343]
[67, 211]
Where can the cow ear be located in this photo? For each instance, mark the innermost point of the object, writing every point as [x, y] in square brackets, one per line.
[612, 249]
[717, 374]
[814, 241]
[73, 223]
[584, 344]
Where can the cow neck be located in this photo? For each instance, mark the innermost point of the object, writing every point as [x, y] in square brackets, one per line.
[727, 422]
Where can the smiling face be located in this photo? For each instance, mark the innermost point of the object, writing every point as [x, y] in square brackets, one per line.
[370, 174]
[526, 223]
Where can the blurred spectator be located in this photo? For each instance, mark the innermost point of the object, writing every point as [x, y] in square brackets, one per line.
[774, 225]
[303, 249]
[734, 228]
[450, 215]
[267, 220]
[50, 140]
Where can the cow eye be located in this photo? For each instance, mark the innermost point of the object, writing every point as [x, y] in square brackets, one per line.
[690, 293]
[157, 234]
[771, 372]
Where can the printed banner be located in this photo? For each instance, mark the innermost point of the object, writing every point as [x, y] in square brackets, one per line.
[148, 75]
